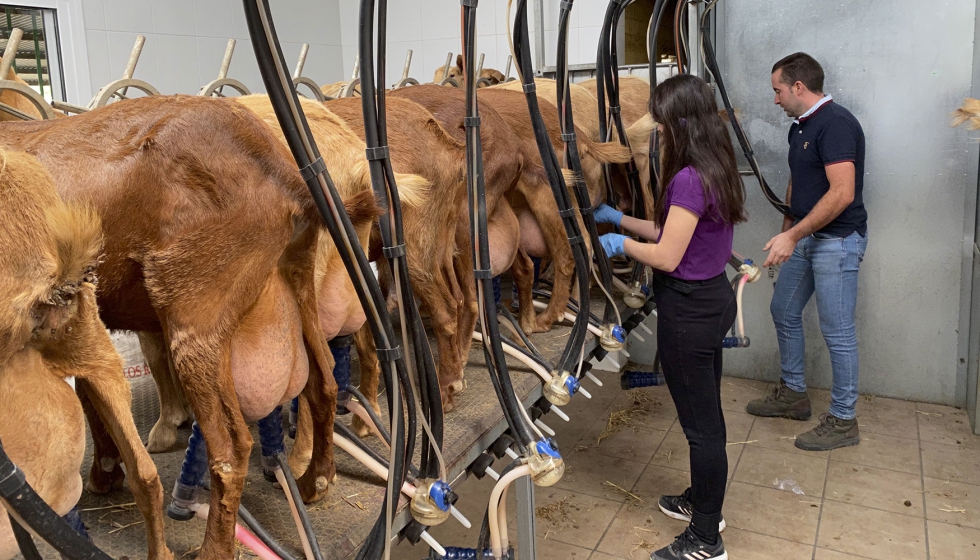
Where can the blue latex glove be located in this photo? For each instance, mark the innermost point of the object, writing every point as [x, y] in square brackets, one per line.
[606, 214]
[612, 244]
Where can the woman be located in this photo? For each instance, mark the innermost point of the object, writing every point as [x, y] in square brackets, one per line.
[692, 231]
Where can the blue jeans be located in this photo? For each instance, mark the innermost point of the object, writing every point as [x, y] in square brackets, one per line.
[828, 266]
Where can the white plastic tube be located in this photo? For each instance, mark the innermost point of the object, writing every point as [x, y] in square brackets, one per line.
[593, 378]
[570, 317]
[738, 303]
[307, 549]
[498, 489]
[560, 413]
[544, 427]
[544, 374]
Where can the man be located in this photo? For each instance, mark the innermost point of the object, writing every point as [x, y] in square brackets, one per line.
[820, 249]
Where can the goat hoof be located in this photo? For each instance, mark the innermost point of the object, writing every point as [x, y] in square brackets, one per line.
[101, 481]
[360, 428]
[162, 438]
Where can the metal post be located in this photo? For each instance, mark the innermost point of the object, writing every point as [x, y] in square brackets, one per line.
[526, 524]
[538, 36]
[226, 61]
[10, 52]
[303, 51]
[37, 55]
[408, 64]
[134, 57]
[694, 38]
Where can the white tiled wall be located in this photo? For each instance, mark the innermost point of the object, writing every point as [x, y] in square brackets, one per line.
[431, 29]
[185, 40]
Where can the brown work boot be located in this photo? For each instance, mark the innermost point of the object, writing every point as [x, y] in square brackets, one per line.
[782, 402]
[831, 433]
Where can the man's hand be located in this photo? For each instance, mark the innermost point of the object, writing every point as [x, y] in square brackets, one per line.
[780, 249]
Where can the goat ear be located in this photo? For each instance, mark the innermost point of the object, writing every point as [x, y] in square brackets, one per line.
[459, 62]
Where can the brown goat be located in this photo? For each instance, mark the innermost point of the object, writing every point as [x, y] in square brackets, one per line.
[456, 73]
[50, 330]
[441, 271]
[210, 239]
[542, 232]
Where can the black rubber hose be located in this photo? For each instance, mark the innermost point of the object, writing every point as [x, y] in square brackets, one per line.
[27, 508]
[501, 309]
[25, 542]
[659, 8]
[378, 423]
[572, 160]
[259, 531]
[492, 349]
[304, 517]
[711, 63]
[522, 49]
[297, 133]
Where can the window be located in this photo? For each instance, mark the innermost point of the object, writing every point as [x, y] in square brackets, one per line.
[636, 22]
[37, 61]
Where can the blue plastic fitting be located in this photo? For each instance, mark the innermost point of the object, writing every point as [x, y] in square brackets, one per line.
[536, 261]
[748, 262]
[439, 491]
[645, 289]
[735, 342]
[340, 348]
[293, 417]
[74, 520]
[495, 281]
[192, 472]
[548, 447]
[619, 333]
[572, 385]
[270, 433]
[459, 553]
[637, 379]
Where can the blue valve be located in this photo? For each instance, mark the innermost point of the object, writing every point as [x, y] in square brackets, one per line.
[645, 289]
[572, 385]
[439, 491]
[547, 447]
[748, 262]
[619, 333]
[636, 379]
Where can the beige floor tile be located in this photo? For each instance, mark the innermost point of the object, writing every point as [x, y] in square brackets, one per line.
[945, 424]
[884, 401]
[675, 453]
[780, 434]
[877, 417]
[827, 554]
[951, 462]
[604, 556]
[553, 550]
[767, 467]
[633, 443]
[874, 488]
[771, 512]
[949, 542]
[638, 531]
[737, 425]
[884, 452]
[587, 471]
[580, 522]
[745, 545]
[736, 393]
[871, 533]
[657, 481]
[961, 502]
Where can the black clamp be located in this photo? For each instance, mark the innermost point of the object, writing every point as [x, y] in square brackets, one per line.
[484, 274]
[12, 479]
[471, 122]
[468, 3]
[578, 239]
[394, 252]
[313, 169]
[567, 213]
[570, 137]
[374, 154]
[585, 211]
[566, 5]
[390, 354]
[614, 109]
[529, 88]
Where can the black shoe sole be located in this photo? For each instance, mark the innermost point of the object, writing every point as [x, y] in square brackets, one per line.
[844, 443]
[792, 415]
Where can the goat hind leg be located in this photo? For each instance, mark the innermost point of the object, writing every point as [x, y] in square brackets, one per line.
[173, 403]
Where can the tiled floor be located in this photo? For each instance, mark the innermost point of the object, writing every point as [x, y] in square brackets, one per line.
[910, 490]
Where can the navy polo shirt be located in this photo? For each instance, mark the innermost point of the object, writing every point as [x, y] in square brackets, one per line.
[830, 135]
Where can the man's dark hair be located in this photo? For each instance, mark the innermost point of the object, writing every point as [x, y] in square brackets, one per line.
[801, 67]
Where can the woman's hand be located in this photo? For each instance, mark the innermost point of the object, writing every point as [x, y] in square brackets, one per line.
[612, 244]
[606, 214]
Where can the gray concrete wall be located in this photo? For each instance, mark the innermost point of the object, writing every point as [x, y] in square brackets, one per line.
[900, 68]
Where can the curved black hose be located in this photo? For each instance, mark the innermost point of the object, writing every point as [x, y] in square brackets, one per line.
[711, 63]
[299, 138]
[522, 50]
[520, 332]
[25, 542]
[300, 506]
[27, 508]
[492, 349]
[378, 423]
[572, 160]
[259, 531]
[653, 152]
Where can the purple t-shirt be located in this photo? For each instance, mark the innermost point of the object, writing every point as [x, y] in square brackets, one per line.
[711, 246]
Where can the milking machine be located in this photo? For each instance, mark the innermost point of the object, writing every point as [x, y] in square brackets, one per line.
[215, 88]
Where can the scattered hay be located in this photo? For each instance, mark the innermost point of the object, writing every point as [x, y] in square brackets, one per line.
[950, 509]
[625, 417]
[119, 527]
[631, 497]
[558, 515]
[639, 397]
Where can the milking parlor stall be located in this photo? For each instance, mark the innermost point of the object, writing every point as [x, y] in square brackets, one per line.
[324, 280]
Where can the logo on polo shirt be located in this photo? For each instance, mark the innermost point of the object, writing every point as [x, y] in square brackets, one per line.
[805, 144]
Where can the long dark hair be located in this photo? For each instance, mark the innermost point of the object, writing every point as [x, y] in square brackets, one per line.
[694, 135]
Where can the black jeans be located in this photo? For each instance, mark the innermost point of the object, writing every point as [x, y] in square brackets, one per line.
[692, 320]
